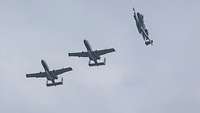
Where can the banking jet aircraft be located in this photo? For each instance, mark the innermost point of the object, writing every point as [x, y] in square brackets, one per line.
[139, 19]
[50, 75]
[93, 55]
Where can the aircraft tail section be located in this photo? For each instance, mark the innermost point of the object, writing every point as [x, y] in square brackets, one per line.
[98, 64]
[54, 84]
[149, 42]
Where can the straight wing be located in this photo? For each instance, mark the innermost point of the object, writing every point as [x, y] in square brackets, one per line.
[37, 75]
[79, 54]
[61, 71]
[104, 51]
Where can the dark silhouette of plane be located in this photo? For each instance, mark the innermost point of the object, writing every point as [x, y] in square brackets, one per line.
[139, 19]
[50, 75]
[93, 55]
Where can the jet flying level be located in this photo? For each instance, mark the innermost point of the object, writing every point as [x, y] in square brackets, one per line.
[49, 75]
[93, 56]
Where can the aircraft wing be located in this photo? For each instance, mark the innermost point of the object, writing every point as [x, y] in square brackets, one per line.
[37, 75]
[79, 54]
[61, 71]
[104, 51]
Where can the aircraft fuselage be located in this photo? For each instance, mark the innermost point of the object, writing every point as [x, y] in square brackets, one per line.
[139, 22]
[91, 54]
[50, 76]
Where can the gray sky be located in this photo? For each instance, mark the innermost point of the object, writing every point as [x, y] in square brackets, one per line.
[163, 78]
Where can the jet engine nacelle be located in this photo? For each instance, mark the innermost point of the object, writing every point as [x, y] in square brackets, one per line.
[54, 84]
[98, 64]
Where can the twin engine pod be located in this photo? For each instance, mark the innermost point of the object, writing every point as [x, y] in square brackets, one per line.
[98, 64]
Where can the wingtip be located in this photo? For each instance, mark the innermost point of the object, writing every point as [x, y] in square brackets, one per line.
[70, 68]
[27, 76]
[134, 9]
[69, 54]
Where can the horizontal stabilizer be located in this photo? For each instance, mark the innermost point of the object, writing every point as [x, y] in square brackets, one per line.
[54, 84]
[98, 64]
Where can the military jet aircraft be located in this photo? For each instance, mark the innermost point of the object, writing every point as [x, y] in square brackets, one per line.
[139, 19]
[50, 75]
[93, 56]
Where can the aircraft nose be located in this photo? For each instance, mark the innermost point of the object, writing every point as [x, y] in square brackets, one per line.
[42, 61]
[85, 41]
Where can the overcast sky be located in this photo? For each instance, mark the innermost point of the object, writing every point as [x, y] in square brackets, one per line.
[163, 78]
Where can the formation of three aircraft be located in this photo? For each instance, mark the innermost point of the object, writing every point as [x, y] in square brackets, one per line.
[94, 56]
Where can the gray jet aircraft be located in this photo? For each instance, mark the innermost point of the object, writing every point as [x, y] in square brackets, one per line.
[50, 75]
[139, 19]
[93, 55]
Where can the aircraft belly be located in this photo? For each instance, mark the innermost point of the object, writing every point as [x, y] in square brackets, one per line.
[49, 76]
[91, 56]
